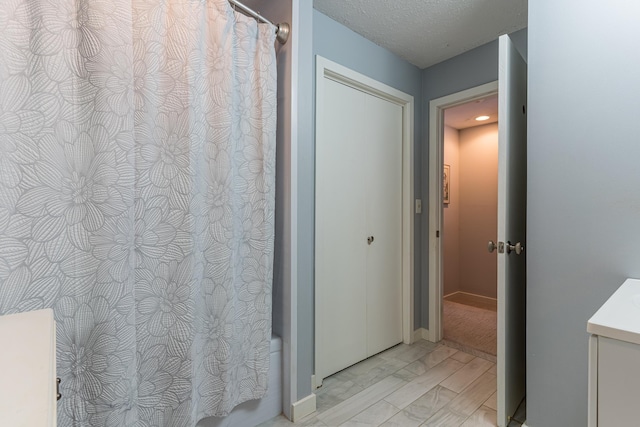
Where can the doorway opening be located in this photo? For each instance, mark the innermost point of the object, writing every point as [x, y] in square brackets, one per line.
[437, 129]
[470, 216]
[511, 224]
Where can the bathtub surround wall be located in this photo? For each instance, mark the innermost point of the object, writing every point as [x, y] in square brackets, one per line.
[137, 200]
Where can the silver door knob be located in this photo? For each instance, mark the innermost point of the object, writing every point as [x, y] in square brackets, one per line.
[518, 248]
[491, 246]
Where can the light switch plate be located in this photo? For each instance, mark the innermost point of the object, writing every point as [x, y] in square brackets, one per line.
[418, 206]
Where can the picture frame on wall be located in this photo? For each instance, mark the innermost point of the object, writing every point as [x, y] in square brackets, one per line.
[446, 184]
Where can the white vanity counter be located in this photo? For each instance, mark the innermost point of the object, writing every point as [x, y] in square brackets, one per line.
[619, 317]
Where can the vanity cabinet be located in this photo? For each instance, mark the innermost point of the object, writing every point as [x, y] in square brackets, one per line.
[28, 389]
[614, 358]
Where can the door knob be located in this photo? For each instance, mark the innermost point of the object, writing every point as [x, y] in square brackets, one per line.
[370, 240]
[518, 248]
[492, 246]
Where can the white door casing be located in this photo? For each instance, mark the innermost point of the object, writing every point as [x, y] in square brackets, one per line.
[334, 81]
[512, 209]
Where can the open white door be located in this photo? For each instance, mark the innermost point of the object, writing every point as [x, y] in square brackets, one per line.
[512, 209]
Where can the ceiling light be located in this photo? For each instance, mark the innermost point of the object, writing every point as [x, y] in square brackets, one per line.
[482, 118]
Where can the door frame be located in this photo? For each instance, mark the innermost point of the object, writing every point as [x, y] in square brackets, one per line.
[326, 68]
[436, 160]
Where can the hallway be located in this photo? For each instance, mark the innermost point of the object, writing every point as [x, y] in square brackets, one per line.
[470, 324]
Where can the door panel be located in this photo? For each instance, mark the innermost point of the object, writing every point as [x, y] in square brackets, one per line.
[512, 201]
[358, 195]
[340, 230]
[384, 219]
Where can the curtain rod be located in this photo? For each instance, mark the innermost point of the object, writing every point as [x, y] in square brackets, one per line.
[282, 29]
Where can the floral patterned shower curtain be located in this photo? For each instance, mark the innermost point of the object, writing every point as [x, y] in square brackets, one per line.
[137, 165]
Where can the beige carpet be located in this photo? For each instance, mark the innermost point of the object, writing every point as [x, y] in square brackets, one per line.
[470, 328]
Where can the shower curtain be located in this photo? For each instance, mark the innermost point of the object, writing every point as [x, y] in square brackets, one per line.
[137, 165]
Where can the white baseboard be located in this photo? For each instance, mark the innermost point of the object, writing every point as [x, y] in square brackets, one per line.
[470, 294]
[303, 407]
[420, 334]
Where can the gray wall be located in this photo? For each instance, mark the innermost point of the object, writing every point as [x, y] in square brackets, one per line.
[583, 189]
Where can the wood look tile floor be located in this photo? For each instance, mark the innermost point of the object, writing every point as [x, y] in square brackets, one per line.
[423, 384]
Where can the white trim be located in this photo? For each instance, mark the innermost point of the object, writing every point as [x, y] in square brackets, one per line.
[436, 135]
[592, 388]
[329, 69]
[290, 289]
[420, 334]
[524, 424]
[470, 294]
[303, 407]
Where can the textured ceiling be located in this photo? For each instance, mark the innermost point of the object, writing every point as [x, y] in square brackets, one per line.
[464, 116]
[425, 32]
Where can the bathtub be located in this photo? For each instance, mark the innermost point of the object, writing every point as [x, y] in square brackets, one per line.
[254, 412]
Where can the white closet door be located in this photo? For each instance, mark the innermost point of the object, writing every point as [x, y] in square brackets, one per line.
[358, 195]
[340, 230]
[383, 139]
